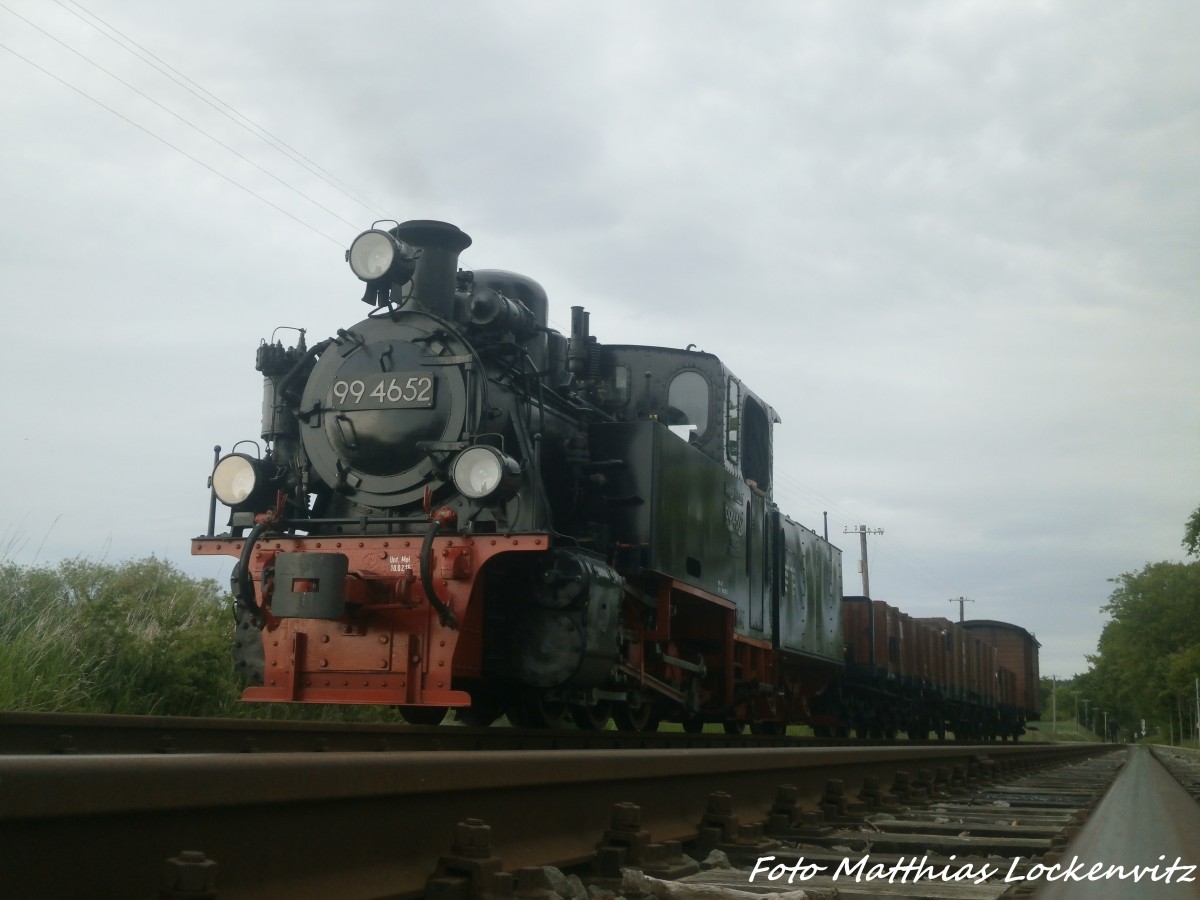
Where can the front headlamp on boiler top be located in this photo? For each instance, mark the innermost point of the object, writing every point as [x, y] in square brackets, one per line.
[383, 261]
[376, 255]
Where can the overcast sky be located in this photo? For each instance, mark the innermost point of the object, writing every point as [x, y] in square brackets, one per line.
[953, 244]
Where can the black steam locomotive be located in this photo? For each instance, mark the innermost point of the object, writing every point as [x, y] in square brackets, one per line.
[458, 507]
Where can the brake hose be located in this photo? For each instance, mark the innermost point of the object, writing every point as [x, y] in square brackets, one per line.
[445, 613]
[245, 588]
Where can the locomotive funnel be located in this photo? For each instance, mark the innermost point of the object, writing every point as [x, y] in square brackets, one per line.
[439, 244]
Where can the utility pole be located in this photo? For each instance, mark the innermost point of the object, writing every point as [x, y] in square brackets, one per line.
[1054, 704]
[863, 531]
[960, 601]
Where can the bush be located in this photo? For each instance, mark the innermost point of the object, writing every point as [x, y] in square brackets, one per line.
[134, 637]
[138, 637]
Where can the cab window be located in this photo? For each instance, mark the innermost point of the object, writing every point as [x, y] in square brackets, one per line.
[756, 444]
[687, 404]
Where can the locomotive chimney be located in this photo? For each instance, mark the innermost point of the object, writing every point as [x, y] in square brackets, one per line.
[437, 263]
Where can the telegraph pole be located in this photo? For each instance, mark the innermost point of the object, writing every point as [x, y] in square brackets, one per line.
[863, 531]
[960, 601]
[1054, 704]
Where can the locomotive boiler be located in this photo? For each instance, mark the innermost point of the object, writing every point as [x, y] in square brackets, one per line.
[457, 506]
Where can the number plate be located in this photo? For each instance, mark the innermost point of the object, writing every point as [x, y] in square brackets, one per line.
[388, 390]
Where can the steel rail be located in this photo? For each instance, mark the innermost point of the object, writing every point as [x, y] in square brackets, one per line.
[34, 733]
[350, 825]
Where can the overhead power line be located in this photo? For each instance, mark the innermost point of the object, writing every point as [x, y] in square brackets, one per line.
[178, 150]
[181, 118]
[167, 70]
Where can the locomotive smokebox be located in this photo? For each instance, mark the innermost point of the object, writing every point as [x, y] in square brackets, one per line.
[439, 244]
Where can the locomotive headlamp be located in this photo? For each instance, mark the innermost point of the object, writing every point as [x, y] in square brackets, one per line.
[377, 255]
[237, 479]
[482, 473]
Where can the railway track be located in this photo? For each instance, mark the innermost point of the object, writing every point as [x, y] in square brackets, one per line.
[982, 841]
[65, 733]
[443, 821]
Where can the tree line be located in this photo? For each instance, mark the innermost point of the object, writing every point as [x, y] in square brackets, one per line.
[1148, 657]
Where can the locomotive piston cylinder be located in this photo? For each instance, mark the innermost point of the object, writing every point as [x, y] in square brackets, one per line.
[571, 636]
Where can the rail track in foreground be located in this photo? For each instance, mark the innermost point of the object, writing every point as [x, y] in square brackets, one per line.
[450, 823]
[41, 733]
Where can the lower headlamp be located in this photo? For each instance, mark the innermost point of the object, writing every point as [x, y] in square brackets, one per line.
[484, 473]
[238, 480]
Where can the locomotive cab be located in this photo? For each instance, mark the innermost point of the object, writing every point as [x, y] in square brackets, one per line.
[700, 400]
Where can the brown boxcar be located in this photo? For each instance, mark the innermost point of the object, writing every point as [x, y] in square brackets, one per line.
[949, 659]
[1017, 651]
[874, 638]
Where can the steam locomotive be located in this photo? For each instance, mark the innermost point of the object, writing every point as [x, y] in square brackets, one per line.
[459, 507]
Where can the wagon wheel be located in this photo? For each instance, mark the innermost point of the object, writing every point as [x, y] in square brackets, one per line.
[591, 718]
[768, 728]
[693, 726]
[424, 715]
[734, 726]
